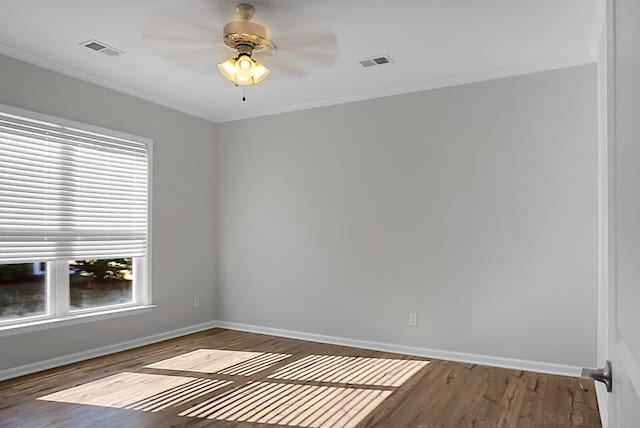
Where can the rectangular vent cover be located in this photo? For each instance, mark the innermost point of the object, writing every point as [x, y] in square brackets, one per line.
[101, 47]
[378, 60]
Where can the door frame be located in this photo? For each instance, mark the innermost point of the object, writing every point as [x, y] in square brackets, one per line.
[606, 164]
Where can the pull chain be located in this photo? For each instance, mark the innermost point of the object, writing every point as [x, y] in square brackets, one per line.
[244, 98]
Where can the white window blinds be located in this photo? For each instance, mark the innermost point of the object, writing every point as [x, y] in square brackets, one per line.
[67, 193]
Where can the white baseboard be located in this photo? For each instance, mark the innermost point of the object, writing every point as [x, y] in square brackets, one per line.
[487, 360]
[511, 363]
[98, 352]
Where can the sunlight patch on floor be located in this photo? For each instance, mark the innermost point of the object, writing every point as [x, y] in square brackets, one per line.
[314, 391]
[350, 370]
[292, 405]
[137, 391]
[238, 363]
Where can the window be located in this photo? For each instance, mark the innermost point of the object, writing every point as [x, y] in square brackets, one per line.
[74, 219]
[22, 290]
[96, 283]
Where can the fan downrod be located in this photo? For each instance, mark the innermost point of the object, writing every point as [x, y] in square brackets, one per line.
[245, 11]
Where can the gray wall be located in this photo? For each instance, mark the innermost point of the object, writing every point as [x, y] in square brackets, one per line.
[183, 208]
[474, 206]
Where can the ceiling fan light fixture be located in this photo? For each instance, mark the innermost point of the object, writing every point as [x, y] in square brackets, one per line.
[244, 64]
[243, 70]
[260, 72]
[228, 68]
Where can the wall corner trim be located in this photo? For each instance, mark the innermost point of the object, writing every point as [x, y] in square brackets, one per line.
[487, 360]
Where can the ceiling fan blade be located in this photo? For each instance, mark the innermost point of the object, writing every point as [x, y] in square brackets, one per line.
[294, 66]
[195, 22]
[314, 49]
[287, 69]
[301, 54]
[317, 40]
[196, 57]
[189, 36]
[193, 52]
[305, 59]
[162, 42]
[197, 65]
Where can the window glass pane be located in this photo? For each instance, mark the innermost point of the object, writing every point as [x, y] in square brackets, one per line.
[94, 283]
[22, 290]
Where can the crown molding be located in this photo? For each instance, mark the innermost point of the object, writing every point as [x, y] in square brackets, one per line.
[462, 79]
[425, 85]
[34, 59]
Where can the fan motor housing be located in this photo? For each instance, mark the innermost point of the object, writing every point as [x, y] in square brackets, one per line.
[246, 33]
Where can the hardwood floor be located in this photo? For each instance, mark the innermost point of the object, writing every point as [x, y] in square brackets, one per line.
[224, 378]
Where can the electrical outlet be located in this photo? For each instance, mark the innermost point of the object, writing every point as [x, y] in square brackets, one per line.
[196, 302]
[413, 319]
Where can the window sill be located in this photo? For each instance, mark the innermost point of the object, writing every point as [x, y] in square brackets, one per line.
[78, 318]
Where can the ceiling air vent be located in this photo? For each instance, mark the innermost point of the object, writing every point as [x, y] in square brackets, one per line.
[378, 60]
[103, 48]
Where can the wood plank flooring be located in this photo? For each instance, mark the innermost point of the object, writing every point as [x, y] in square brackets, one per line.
[224, 378]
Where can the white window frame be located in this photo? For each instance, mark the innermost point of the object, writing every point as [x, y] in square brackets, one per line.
[57, 297]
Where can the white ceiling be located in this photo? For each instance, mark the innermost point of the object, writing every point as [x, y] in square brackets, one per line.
[433, 43]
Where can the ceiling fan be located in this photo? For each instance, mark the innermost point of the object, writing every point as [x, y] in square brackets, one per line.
[200, 37]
